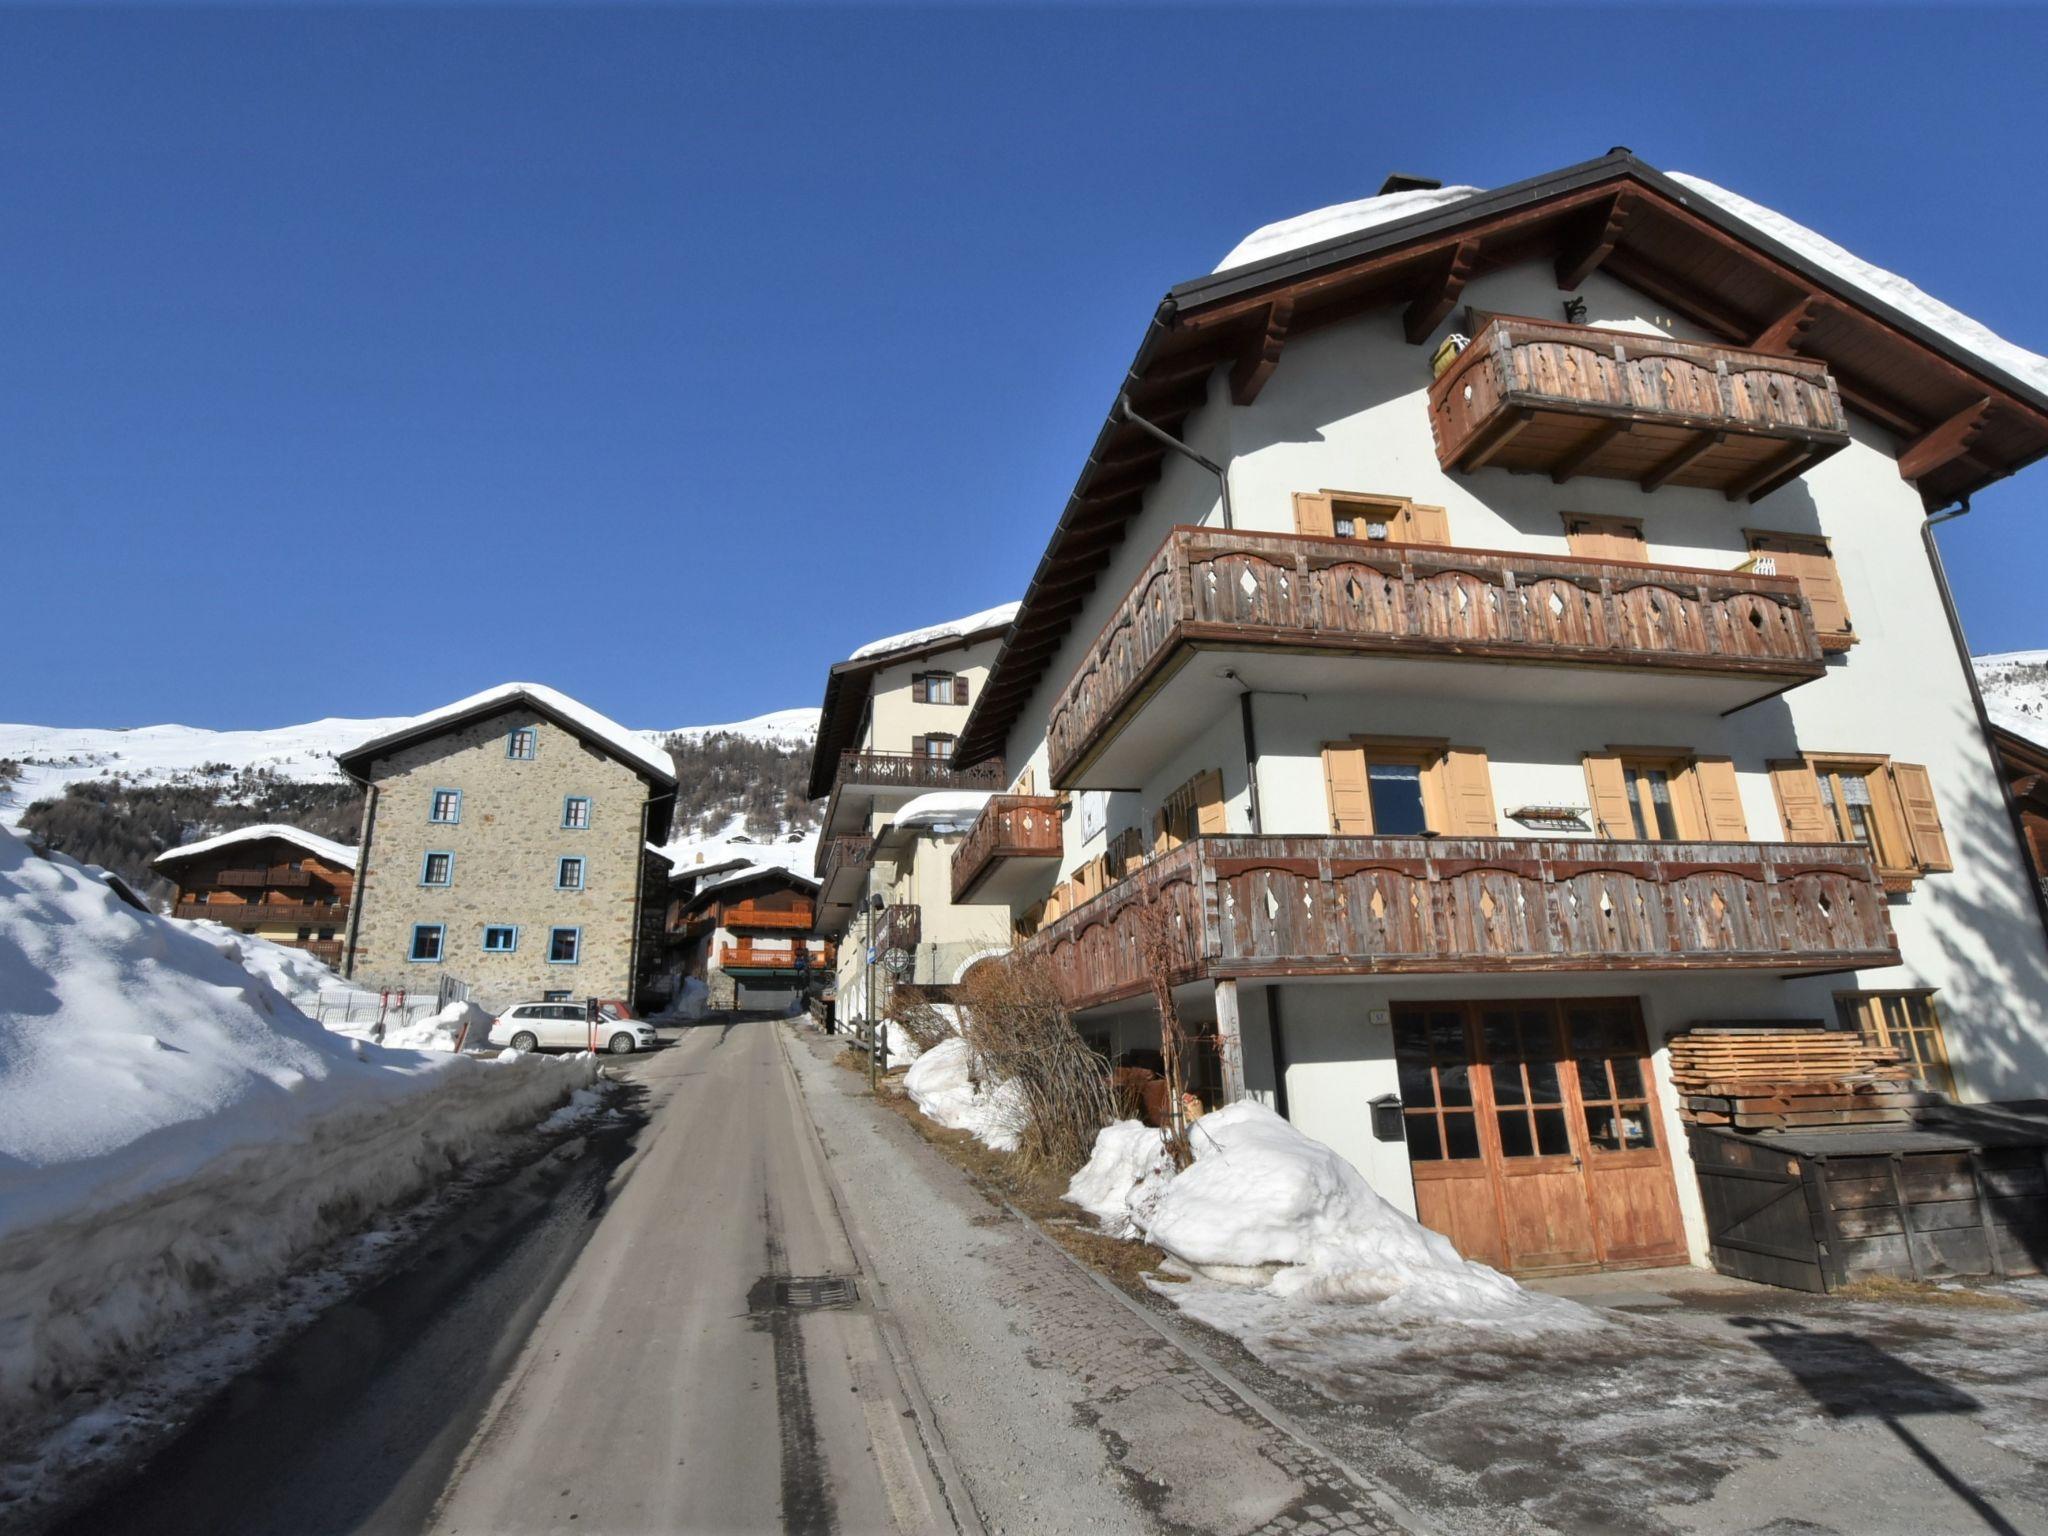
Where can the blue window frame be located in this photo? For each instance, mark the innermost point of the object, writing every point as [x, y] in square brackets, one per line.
[576, 812]
[445, 807]
[569, 873]
[565, 946]
[522, 742]
[438, 867]
[501, 938]
[561, 996]
[426, 943]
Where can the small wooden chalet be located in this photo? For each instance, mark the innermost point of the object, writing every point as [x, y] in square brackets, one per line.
[744, 931]
[278, 882]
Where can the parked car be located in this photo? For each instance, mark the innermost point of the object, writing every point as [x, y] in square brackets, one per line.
[566, 1026]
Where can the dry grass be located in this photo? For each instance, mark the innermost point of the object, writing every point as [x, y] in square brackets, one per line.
[1893, 1290]
[1016, 1023]
[1035, 1190]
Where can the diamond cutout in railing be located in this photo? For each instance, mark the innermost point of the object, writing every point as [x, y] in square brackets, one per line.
[1247, 583]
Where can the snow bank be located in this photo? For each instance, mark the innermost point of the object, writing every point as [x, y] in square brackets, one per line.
[1313, 228]
[1265, 1206]
[444, 1031]
[172, 1127]
[997, 617]
[943, 810]
[298, 977]
[902, 1048]
[634, 746]
[1876, 283]
[941, 1084]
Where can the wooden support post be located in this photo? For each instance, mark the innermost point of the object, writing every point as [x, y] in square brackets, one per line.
[1953, 439]
[1432, 305]
[1230, 1040]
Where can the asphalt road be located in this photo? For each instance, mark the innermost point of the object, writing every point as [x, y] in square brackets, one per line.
[598, 1345]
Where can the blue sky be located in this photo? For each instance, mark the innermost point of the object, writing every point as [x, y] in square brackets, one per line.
[354, 360]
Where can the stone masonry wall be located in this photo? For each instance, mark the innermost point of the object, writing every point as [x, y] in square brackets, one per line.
[506, 846]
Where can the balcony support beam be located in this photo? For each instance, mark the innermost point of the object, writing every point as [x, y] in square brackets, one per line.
[1787, 333]
[1503, 431]
[1772, 473]
[1589, 450]
[1440, 293]
[1950, 441]
[1258, 361]
[1229, 1040]
[1587, 251]
[1684, 459]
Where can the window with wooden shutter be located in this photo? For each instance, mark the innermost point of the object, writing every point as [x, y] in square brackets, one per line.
[1210, 817]
[1195, 809]
[1720, 799]
[1344, 780]
[1605, 538]
[1888, 807]
[1467, 792]
[1809, 558]
[1922, 817]
[959, 689]
[1371, 519]
[920, 746]
[1805, 819]
[1405, 787]
[1607, 784]
[1664, 795]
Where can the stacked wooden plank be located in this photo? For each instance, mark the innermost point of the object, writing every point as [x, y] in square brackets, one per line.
[1789, 1078]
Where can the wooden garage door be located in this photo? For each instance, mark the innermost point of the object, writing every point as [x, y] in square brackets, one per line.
[1533, 1133]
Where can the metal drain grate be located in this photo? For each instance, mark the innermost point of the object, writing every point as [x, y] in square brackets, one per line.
[815, 1291]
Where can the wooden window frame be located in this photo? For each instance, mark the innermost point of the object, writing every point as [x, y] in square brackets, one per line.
[1432, 754]
[1890, 837]
[1605, 524]
[1185, 814]
[1862, 1011]
[1830, 639]
[1402, 514]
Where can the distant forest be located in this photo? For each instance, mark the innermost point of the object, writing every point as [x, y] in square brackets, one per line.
[123, 826]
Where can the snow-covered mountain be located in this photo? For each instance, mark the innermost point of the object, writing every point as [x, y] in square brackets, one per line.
[53, 756]
[2015, 688]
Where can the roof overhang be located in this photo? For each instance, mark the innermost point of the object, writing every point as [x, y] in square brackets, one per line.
[1964, 422]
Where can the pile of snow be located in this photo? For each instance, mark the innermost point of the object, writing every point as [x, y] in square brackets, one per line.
[2015, 688]
[688, 1005]
[1313, 228]
[1875, 282]
[941, 1083]
[172, 1127]
[459, 1026]
[1265, 1206]
[902, 1049]
[998, 617]
[945, 810]
[298, 837]
[299, 978]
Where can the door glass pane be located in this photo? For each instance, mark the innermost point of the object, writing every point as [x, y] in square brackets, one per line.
[1447, 1036]
[1507, 1083]
[1514, 1135]
[1424, 1144]
[1658, 782]
[1553, 1137]
[1593, 1078]
[1461, 1136]
[1543, 1084]
[1619, 1128]
[1454, 1083]
[1411, 1036]
[1396, 790]
[1417, 1089]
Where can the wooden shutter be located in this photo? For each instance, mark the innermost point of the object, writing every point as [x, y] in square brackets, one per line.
[1607, 784]
[1027, 782]
[1799, 807]
[1923, 817]
[1814, 564]
[920, 745]
[959, 688]
[1207, 789]
[1350, 799]
[1604, 538]
[1468, 793]
[1312, 514]
[1159, 832]
[1720, 799]
[1423, 525]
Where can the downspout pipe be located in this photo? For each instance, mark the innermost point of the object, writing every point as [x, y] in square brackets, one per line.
[1251, 751]
[1955, 628]
[1159, 434]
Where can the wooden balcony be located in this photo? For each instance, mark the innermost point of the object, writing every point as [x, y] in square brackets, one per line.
[1537, 397]
[1738, 635]
[861, 775]
[328, 951]
[1267, 907]
[280, 877]
[1010, 829]
[899, 927]
[258, 914]
[843, 863]
[745, 914]
[742, 956]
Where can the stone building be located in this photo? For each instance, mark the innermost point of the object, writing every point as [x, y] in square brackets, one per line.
[506, 842]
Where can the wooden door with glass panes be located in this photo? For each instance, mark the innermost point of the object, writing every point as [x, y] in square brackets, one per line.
[1533, 1134]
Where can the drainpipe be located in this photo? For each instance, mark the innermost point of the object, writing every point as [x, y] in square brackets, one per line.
[1251, 751]
[1955, 629]
[1161, 435]
[355, 895]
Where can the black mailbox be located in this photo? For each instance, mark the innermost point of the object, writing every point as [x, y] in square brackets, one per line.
[1386, 1118]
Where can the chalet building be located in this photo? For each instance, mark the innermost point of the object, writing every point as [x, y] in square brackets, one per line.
[744, 931]
[2025, 762]
[892, 716]
[1491, 632]
[506, 843]
[277, 882]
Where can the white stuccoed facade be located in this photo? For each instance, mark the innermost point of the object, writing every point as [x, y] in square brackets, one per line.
[1347, 410]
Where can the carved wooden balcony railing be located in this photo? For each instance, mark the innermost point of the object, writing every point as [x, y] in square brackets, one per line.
[743, 956]
[1265, 907]
[1209, 587]
[1009, 827]
[899, 927]
[844, 855]
[745, 914]
[280, 877]
[255, 914]
[915, 770]
[1564, 400]
[328, 951]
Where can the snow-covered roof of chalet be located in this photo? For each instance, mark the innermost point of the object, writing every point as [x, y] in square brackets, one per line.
[941, 809]
[755, 872]
[849, 682]
[629, 747]
[320, 847]
[1740, 272]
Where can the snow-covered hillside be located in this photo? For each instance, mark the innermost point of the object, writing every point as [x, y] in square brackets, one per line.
[2015, 688]
[54, 756]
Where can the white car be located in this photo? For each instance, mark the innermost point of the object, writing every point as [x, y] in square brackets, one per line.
[566, 1026]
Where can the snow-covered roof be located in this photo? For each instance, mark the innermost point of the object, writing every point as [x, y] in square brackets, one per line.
[1886, 287]
[630, 746]
[942, 809]
[997, 617]
[298, 837]
[2015, 687]
[751, 872]
[1313, 228]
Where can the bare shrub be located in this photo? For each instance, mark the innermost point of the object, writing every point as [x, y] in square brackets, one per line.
[917, 1018]
[1163, 949]
[1013, 1019]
